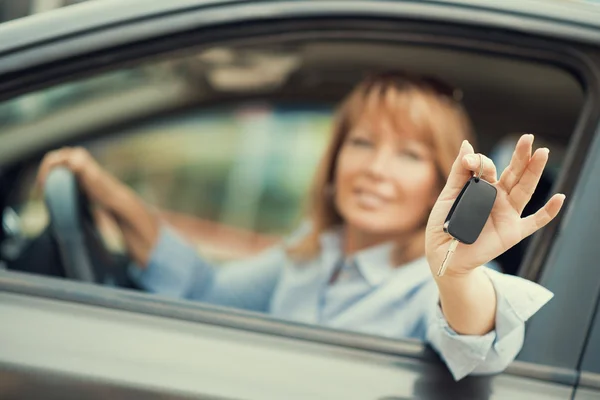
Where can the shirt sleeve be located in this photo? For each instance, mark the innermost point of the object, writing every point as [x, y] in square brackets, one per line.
[517, 300]
[176, 269]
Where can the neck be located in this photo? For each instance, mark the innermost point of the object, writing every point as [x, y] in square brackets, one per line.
[356, 239]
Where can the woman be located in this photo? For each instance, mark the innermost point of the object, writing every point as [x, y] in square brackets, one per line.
[368, 258]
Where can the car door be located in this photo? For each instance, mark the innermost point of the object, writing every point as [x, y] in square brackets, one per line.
[91, 339]
[571, 273]
[589, 383]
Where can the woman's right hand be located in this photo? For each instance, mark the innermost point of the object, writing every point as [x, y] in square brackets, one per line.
[91, 176]
[139, 225]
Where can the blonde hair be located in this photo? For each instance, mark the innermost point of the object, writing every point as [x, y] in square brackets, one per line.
[424, 107]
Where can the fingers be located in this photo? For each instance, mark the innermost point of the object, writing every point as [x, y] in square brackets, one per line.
[518, 163]
[522, 191]
[543, 216]
[458, 174]
[472, 162]
[72, 158]
[465, 165]
[50, 161]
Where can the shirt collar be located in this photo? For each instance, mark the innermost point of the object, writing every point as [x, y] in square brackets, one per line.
[331, 250]
[375, 263]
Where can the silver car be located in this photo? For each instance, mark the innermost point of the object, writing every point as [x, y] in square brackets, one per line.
[216, 111]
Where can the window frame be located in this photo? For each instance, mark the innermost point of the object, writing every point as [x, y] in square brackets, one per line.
[590, 360]
[590, 363]
[107, 56]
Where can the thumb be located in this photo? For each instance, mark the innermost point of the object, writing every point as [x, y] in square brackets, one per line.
[459, 175]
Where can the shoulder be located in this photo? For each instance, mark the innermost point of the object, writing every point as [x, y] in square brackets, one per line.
[301, 232]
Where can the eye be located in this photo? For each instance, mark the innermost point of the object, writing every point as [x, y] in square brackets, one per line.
[361, 142]
[411, 154]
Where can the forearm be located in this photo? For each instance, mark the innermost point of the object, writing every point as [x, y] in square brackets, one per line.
[138, 223]
[468, 302]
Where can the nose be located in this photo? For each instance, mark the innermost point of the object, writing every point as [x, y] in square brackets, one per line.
[380, 165]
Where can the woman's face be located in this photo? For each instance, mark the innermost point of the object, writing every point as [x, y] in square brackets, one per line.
[386, 181]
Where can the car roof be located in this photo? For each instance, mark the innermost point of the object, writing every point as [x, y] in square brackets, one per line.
[102, 14]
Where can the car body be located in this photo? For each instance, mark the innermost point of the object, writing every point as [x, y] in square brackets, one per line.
[534, 64]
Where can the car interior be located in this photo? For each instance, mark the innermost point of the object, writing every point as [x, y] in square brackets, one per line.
[224, 139]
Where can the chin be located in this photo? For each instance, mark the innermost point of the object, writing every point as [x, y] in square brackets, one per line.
[371, 222]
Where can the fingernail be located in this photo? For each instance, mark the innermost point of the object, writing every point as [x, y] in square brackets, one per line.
[471, 160]
[543, 150]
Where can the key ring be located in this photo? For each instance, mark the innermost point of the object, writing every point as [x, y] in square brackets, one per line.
[480, 174]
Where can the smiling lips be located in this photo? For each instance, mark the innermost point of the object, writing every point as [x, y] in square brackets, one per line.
[369, 199]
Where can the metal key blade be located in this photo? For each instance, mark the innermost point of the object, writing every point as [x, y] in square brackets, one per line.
[449, 253]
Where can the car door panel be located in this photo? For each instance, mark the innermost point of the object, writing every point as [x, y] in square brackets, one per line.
[589, 382]
[576, 247]
[587, 394]
[190, 357]
[30, 383]
[170, 355]
[591, 359]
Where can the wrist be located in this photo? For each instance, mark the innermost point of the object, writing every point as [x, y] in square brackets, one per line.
[468, 302]
[460, 278]
[452, 273]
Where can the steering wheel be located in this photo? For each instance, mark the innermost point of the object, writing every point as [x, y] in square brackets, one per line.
[72, 225]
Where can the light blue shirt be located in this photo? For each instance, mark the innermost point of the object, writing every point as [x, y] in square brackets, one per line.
[369, 296]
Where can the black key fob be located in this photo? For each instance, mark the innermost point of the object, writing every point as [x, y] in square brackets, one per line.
[470, 210]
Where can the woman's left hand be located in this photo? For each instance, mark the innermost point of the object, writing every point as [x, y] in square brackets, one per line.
[505, 227]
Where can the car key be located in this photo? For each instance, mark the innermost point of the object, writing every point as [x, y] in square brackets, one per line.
[468, 214]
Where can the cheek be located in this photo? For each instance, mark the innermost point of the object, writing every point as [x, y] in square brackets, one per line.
[347, 166]
[418, 188]
[348, 170]
[416, 183]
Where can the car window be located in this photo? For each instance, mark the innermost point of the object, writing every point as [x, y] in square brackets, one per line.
[34, 107]
[225, 151]
[233, 178]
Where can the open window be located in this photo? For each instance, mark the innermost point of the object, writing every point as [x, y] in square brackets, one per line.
[225, 139]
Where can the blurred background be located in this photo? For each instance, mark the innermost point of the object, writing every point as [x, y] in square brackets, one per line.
[225, 140]
[233, 177]
[12, 9]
